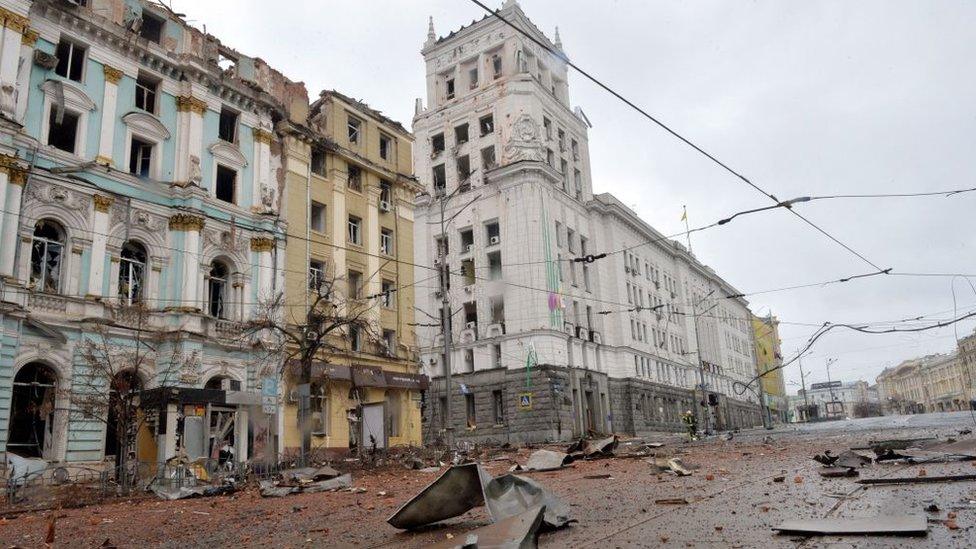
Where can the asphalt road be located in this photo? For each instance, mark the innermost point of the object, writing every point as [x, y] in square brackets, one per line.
[732, 500]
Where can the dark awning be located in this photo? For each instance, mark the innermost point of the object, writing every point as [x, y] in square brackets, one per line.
[419, 382]
[367, 376]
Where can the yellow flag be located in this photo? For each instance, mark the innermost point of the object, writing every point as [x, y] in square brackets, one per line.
[684, 215]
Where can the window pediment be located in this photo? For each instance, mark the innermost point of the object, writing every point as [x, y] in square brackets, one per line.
[75, 97]
[228, 154]
[143, 123]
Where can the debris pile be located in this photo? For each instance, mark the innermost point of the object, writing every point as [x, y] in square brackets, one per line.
[305, 480]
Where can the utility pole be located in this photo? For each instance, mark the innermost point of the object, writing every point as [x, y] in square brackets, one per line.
[803, 384]
[767, 421]
[446, 330]
[830, 386]
[701, 367]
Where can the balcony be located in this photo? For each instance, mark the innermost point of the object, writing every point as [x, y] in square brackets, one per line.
[48, 304]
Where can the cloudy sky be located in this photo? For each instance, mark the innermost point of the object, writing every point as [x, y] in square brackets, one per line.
[804, 98]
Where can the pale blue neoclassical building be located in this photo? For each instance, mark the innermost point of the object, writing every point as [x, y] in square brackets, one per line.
[138, 167]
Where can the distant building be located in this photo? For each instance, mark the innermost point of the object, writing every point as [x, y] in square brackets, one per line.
[933, 383]
[836, 400]
[769, 364]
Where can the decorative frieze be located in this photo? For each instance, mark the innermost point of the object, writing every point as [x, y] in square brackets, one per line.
[112, 75]
[262, 244]
[29, 38]
[189, 103]
[103, 160]
[13, 20]
[262, 135]
[102, 202]
[185, 222]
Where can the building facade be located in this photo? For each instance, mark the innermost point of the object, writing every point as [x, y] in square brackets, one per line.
[837, 400]
[933, 383]
[769, 365]
[548, 344]
[349, 191]
[137, 196]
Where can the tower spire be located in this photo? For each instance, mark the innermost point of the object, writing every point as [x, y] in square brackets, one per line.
[431, 36]
[557, 41]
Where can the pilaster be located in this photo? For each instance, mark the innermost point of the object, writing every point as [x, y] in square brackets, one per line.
[14, 26]
[189, 143]
[262, 171]
[12, 180]
[96, 271]
[191, 225]
[106, 139]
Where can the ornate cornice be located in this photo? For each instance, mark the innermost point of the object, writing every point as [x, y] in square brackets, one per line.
[13, 20]
[112, 74]
[185, 222]
[262, 244]
[102, 202]
[17, 174]
[262, 136]
[29, 38]
[103, 160]
[189, 103]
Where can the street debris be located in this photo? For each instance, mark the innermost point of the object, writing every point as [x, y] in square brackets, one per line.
[457, 491]
[284, 487]
[510, 495]
[546, 460]
[671, 501]
[780, 478]
[838, 472]
[600, 476]
[672, 465]
[902, 525]
[603, 447]
[916, 480]
[848, 458]
[517, 532]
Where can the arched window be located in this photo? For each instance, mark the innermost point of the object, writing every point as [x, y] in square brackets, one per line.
[217, 290]
[223, 383]
[31, 431]
[132, 273]
[47, 249]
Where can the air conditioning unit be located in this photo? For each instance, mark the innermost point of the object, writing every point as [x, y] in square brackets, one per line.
[45, 60]
[469, 289]
[471, 325]
[384, 206]
[494, 240]
[468, 248]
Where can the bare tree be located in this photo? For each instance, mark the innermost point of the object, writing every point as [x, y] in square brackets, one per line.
[118, 359]
[335, 323]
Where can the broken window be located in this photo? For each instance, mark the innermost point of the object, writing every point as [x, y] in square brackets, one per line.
[226, 188]
[497, 305]
[386, 241]
[388, 288]
[561, 137]
[467, 240]
[71, 60]
[353, 129]
[355, 235]
[217, 280]
[386, 193]
[464, 172]
[146, 88]
[389, 341]
[496, 65]
[393, 413]
[316, 275]
[575, 148]
[355, 281]
[62, 134]
[32, 406]
[317, 217]
[461, 134]
[437, 144]
[547, 128]
[467, 267]
[471, 315]
[385, 147]
[152, 27]
[318, 162]
[492, 233]
[355, 339]
[473, 78]
[488, 158]
[227, 127]
[47, 250]
[132, 272]
[319, 405]
[355, 181]
[497, 398]
[440, 179]
[487, 125]
[469, 404]
[449, 88]
[495, 265]
[140, 157]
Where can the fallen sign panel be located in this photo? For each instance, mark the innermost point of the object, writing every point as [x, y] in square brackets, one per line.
[898, 525]
[916, 480]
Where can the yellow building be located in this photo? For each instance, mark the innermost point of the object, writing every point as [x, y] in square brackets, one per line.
[769, 359]
[348, 192]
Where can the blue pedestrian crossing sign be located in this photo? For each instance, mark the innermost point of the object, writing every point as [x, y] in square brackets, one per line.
[525, 401]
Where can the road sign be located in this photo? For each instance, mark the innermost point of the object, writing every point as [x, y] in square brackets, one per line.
[269, 395]
[525, 401]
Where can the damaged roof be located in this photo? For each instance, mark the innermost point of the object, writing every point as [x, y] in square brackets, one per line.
[362, 106]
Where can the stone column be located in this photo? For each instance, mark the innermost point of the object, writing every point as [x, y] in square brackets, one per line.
[96, 271]
[262, 172]
[106, 138]
[262, 246]
[371, 243]
[12, 180]
[189, 136]
[14, 26]
[23, 74]
[190, 225]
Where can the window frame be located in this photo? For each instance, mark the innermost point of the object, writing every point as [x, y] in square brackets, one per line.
[72, 45]
[217, 169]
[354, 230]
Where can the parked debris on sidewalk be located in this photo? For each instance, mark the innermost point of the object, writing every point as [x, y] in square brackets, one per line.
[900, 525]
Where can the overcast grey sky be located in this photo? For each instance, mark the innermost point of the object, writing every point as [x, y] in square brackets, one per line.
[804, 98]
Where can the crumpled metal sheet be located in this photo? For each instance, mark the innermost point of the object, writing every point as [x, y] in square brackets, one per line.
[902, 525]
[309, 474]
[458, 490]
[518, 532]
[547, 460]
[175, 491]
[270, 490]
[511, 495]
[601, 447]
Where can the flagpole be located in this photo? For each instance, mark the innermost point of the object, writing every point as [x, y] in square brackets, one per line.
[687, 230]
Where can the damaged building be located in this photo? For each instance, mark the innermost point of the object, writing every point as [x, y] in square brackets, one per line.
[140, 227]
[550, 342]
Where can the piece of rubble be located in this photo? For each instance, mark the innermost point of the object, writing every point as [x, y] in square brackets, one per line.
[671, 501]
[603, 447]
[517, 532]
[458, 490]
[902, 525]
[838, 472]
[547, 460]
[916, 480]
[510, 495]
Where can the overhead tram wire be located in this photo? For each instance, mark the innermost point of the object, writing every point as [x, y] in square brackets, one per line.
[674, 133]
